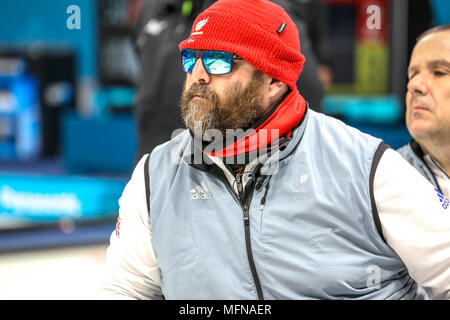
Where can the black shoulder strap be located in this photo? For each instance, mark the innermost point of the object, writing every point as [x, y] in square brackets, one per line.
[147, 183]
[428, 172]
[376, 159]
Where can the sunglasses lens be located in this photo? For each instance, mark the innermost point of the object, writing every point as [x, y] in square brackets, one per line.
[188, 59]
[217, 62]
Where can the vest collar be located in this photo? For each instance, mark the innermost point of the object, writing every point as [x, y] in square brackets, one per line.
[416, 148]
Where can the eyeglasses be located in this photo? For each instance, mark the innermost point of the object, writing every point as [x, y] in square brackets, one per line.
[215, 62]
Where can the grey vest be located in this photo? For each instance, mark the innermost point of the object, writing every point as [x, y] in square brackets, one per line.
[316, 237]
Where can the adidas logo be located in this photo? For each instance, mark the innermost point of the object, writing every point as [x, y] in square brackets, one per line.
[445, 202]
[200, 192]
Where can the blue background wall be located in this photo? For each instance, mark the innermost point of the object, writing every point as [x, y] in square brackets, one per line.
[33, 22]
[441, 11]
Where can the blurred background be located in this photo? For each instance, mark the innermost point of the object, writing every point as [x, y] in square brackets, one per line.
[76, 86]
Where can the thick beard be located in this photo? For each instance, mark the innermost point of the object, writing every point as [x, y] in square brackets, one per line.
[240, 107]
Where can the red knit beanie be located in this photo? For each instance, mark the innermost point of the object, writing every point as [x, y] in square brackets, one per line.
[259, 31]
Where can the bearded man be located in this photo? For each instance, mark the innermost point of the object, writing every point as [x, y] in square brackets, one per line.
[282, 202]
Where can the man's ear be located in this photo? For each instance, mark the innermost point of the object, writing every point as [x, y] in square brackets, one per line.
[277, 89]
[274, 92]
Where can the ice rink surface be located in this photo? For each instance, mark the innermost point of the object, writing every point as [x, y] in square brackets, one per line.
[68, 273]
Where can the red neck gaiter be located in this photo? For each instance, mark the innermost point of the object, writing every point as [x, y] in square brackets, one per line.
[264, 137]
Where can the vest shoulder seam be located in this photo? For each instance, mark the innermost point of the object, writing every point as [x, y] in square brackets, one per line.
[147, 183]
[382, 147]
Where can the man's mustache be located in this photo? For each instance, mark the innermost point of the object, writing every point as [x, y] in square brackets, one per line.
[201, 90]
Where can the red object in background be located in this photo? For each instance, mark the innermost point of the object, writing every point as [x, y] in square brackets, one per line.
[365, 18]
[134, 8]
[336, 2]
[372, 21]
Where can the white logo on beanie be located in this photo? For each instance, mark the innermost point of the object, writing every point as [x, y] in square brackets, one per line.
[199, 26]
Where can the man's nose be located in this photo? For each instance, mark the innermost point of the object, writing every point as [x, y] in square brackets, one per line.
[418, 85]
[199, 73]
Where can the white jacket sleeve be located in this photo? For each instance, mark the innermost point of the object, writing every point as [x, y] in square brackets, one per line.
[131, 269]
[415, 220]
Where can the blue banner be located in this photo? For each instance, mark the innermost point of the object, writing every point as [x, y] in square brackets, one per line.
[51, 198]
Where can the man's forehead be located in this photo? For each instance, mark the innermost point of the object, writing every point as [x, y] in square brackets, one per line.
[432, 48]
[439, 41]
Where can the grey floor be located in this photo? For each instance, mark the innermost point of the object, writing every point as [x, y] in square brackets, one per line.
[67, 273]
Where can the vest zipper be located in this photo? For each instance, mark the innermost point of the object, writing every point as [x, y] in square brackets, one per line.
[244, 204]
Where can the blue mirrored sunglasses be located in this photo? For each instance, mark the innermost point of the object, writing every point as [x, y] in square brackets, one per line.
[215, 62]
